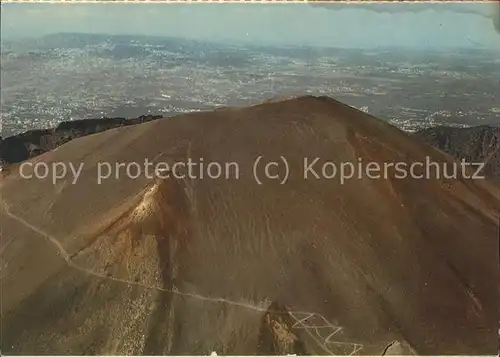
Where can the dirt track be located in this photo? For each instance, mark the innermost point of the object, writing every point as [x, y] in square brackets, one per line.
[302, 319]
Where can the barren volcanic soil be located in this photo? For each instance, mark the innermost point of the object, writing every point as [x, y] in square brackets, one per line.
[310, 266]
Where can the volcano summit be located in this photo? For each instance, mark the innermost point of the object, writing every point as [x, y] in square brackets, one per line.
[192, 266]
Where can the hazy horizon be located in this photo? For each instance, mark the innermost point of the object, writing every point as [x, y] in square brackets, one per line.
[390, 25]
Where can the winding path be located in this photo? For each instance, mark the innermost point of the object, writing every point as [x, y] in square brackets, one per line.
[303, 319]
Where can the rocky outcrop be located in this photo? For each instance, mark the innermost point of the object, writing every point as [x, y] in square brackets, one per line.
[18, 148]
[397, 348]
[478, 144]
[276, 335]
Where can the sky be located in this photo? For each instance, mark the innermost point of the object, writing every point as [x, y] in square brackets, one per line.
[351, 26]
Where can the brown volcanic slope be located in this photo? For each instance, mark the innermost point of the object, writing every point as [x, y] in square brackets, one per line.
[190, 267]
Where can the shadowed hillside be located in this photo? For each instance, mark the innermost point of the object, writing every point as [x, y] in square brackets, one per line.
[18, 148]
[476, 144]
[311, 266]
